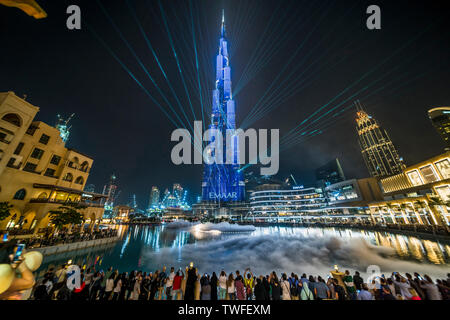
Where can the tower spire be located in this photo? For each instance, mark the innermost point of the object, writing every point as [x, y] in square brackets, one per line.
[223, 23]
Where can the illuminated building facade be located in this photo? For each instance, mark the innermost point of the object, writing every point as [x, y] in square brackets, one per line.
[377, 149]
[420, 194]
[440, 117]
[177, 192]
[293, 201]
[38, 173]
[154, 198]
[223, 182]
[110, 190]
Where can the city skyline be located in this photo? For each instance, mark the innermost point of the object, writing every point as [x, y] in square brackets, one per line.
[98, 125]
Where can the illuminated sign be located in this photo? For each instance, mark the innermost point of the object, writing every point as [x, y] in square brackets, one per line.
[297, 187]
[223, 195]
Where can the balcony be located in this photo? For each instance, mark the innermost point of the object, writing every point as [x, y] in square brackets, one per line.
[66, 202]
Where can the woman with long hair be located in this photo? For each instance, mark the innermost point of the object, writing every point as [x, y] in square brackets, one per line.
[285, 288]
[222, 285]
[109, 286]
[231, 290]
[275, 286]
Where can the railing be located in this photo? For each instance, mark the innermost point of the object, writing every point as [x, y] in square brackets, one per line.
[69, 238]
[17, 232]
[57, 201]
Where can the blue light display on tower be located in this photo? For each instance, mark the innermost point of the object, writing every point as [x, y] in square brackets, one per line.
[223, 182]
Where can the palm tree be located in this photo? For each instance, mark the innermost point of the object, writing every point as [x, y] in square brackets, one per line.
[65, 215]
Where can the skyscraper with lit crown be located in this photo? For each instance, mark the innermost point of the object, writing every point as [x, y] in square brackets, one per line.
[223, 182]
[154, 198]
[377, 149]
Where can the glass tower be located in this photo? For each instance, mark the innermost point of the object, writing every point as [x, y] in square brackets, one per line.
[223, 182]
[377, 149]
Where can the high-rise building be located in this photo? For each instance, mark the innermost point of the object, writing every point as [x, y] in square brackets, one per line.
[330, 173]
[223, 182]
[440, 117]
[133, 203]
[89, 188]
[377, 149]
[177, 192]
[154, 198]
[110, 190]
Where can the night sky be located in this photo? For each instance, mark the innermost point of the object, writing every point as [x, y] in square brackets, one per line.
[123, 130]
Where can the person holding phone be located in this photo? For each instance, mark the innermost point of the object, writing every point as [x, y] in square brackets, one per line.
[26, 281]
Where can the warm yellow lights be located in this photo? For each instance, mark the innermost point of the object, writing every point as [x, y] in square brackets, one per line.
[30, 7]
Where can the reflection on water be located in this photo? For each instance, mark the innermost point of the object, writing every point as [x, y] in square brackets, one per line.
[137, 242]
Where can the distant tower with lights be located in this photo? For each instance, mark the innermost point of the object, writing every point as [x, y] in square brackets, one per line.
[154, 198]
[63, 127]
[440, 118]
[110, 190]
[223, 182]
[377, 149]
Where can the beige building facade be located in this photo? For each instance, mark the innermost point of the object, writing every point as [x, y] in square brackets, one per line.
[37, 172]
[418, 195]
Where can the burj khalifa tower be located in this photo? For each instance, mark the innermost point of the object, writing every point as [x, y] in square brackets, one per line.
[223, 182]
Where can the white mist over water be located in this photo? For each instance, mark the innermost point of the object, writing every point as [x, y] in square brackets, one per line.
[205, 227]
[299, 250]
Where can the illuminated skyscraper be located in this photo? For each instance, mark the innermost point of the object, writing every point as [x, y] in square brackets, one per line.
[133, 202]
[223, 182]
[377, 149]
[440, 117]
[154, 198]
[177, 191]
[111, 191]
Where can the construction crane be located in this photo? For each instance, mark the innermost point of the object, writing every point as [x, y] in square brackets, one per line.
[62, 126]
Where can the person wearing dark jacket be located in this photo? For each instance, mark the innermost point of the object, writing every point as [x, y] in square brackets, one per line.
[276, 289]
[124, 287]
[190, 283]
[358, 281]
[154, 286]
[260, 291]
[266, 286]
[214, 280]
[41, 293]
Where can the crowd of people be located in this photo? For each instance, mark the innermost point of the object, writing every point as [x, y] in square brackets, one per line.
[188, 284]
[66, 237]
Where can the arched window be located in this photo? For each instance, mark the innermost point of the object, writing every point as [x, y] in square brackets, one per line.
[43, 195]
[84, 166]
[20, 194]
[68, 177]
[75, 160]
[79, 180]
[13, 119]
